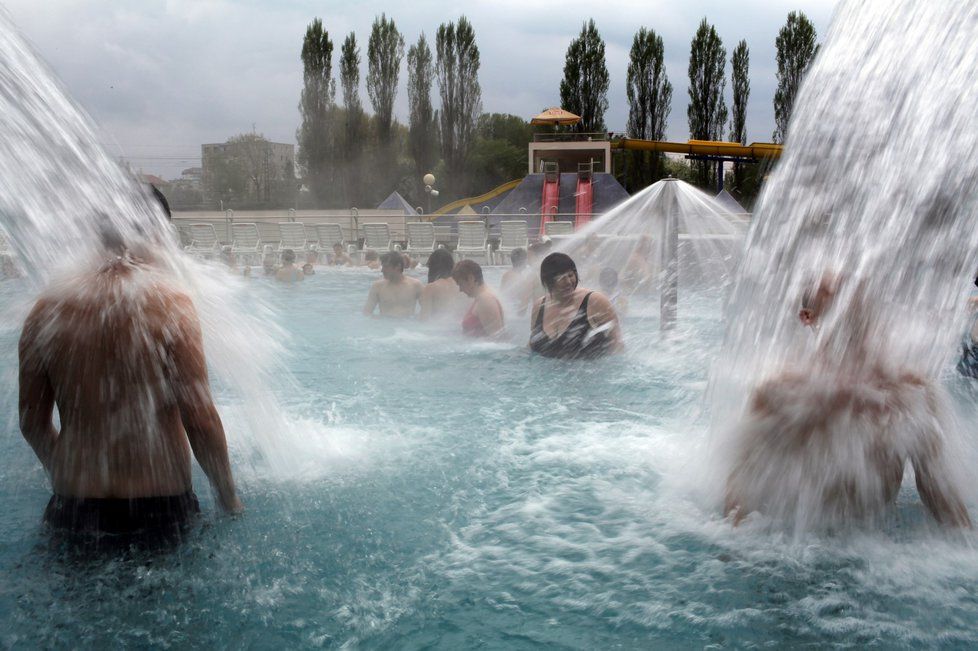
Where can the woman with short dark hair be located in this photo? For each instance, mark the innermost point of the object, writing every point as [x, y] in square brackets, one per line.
[571, 322]
[484, 317]
[440, 297]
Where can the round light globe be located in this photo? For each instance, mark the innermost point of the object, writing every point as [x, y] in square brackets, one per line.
[429, 179]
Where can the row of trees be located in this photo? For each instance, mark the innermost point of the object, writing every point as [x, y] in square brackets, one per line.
[350, 158]
[584, 90]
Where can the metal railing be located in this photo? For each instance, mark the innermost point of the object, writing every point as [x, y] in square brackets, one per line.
[569, 136]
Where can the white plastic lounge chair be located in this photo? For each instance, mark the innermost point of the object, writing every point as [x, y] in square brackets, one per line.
[421, 240]
[472, 241]
[203, 241]
[293, 236]
[558, 228]
[330, 234]
[512, 235]
[246, 242]
[377, 237]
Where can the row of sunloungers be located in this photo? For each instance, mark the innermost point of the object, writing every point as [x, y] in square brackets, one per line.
[473, 239]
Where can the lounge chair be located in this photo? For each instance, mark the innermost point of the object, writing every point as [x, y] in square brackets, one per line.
[512, 236]
[472, 241]
[558, 228]
[293, 236]
[246, 242]
[377, 237]
[421, 240]
[203, 241]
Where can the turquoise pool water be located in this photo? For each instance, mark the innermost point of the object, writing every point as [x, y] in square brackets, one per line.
[443, 493]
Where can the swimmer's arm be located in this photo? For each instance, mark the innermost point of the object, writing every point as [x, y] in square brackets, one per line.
[36, 400]
[935, 487]
[602, 314]
[491, 317]
[372, 300]
[197, 411]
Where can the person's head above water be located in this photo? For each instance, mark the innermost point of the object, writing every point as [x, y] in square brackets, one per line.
[392, 265]
[307, 269]
[288, 256]
[558, 272]
[518, 258]
[467, 269]
[370, 255]
[440, 264]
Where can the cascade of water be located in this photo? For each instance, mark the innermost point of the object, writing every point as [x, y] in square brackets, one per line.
[669, 234]
[60, 190]
[876, 193]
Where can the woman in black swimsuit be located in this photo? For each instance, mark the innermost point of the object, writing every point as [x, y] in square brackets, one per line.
[571, 322]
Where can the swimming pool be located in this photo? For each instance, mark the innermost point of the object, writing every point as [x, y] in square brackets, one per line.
[445, 493]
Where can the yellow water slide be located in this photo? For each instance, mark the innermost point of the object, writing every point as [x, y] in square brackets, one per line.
[495, 192]
[754, 150]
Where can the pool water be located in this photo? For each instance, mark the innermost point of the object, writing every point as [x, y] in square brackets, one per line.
[446, 493]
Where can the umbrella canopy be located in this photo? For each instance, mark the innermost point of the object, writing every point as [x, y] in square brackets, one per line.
[556, 116]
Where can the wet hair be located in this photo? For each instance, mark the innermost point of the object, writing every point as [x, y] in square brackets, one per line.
[370, 255]
[392, 259]
[307, 269]
[337, 245]
[440, 265]
[608, 278]
[288, 256]
[554, 265]
[518, 257]
[467, 269]
[161, 199]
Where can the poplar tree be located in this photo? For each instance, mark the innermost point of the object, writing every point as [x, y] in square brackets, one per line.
[707, 111]
[385, 49]
[354, 135]
[649, 101]
[422, 134]
[457, 69]
[584, 88]
[795, 50]
[316, 108]
[740, 85]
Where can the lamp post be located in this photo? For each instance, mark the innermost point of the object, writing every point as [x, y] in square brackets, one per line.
[429, 182]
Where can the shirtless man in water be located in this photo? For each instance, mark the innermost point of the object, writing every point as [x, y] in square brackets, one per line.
[396, 294]
[829, 444]
[119, 351]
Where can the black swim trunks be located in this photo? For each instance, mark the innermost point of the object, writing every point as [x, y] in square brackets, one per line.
[149, 518]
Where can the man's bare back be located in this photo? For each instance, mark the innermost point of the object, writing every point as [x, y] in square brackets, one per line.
[119, 351]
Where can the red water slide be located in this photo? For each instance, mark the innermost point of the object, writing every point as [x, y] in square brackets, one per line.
[549, 204]
[585, 201]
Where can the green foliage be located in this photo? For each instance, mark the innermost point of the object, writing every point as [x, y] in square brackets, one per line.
[423, 138]
[354, 134]
[247, 174]
[795, 51]
[499, 152]
[584, 88]
[707, 111]
[649, 101]
[316, 107]
[385, 49]
[740, 85]
[457, 70]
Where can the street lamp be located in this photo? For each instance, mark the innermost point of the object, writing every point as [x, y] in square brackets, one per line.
[429, 182]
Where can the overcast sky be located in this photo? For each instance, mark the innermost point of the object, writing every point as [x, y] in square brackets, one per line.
[160, 77]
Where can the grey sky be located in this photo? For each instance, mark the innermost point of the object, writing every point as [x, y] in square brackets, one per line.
[160, 77]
